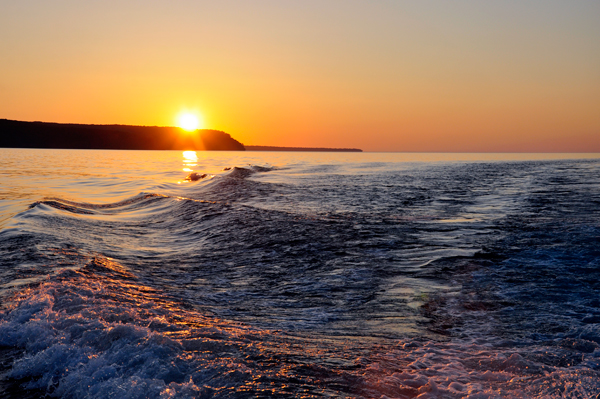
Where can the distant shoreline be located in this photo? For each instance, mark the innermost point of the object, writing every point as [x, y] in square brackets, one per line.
[20, 134]
[305, 149]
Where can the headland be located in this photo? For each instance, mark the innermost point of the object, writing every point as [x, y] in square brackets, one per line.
[17, 134]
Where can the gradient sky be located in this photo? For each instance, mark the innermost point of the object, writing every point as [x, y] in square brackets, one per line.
[378, 75]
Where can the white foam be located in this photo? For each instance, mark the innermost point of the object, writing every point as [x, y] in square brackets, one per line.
[81, 341]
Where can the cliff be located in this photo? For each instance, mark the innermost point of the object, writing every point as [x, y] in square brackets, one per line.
[17, 134]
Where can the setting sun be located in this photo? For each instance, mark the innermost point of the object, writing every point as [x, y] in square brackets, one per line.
[188, 121]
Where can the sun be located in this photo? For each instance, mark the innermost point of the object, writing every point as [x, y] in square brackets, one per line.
[188, 121]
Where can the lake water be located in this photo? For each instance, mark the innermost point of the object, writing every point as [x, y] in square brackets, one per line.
[299, 275]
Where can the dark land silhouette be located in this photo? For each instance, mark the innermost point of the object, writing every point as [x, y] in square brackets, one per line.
[310, 149]
[17, 134]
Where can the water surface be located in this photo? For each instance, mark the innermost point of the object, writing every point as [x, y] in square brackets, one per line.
[299, 274]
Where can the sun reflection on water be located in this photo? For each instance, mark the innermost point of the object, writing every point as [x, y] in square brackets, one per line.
[190, 156]
[190, 160]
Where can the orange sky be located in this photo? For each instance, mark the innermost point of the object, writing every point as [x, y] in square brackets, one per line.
[381, 76]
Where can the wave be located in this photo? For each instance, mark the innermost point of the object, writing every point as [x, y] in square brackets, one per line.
[99, 332]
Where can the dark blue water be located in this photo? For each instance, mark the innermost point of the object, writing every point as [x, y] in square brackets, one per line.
[299, 276]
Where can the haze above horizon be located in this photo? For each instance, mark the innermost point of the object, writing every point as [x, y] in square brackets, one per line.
[465, 76]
